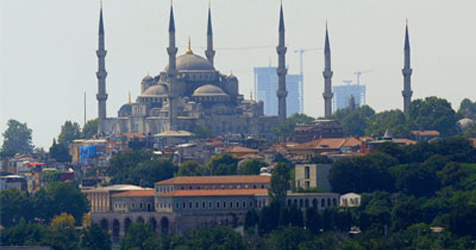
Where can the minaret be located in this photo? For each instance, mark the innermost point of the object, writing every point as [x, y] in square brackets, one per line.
[282, 71]
[352, 103]
[210, 53]
[327, 73]
[407, 74]
[101, 74]
[172, 72]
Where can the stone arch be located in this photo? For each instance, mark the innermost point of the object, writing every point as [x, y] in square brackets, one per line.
[306, 203]
[127, 225]
[164, 225]
[334, 202]
[140, 220]
[153, 223]
[314, 202]
[301, 203]
[104, 224]
[116, 228]
[289, 203]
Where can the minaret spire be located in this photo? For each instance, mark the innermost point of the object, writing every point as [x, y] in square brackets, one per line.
[281, 71]
[407, 73]
[101, 75]
[172, 71]
[210, 53]
[327, 73]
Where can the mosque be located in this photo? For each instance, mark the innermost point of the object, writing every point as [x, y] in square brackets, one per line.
[189, 93]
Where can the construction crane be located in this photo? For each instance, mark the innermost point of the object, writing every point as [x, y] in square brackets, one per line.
[301, 52]
[359, 73]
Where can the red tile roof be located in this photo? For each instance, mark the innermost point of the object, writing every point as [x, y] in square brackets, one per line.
[240, 149]
[229, 179]
[426, 132]
[136, 193]
[216, 192]
[406, 141]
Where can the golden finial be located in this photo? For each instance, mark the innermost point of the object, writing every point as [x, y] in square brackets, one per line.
[129, 101]
[231, 73]
[148, 74]
[406, 21]
[100, 3]
[189, 50]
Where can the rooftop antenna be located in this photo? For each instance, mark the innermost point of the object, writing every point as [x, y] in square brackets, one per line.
[84, 123]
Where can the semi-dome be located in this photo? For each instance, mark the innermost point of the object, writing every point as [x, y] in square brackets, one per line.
[156, 90]
[192, 62]
[209, 90]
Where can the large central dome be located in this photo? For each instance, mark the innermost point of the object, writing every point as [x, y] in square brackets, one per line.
[192, 62]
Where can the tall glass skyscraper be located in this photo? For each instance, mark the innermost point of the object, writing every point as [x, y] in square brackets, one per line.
[266, 85]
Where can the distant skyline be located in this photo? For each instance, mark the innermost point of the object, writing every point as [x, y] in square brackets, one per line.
[48, 61]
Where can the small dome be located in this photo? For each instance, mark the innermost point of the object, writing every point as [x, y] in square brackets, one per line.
[156, 90]
[192, 62]
[464, 123]
[209, 90]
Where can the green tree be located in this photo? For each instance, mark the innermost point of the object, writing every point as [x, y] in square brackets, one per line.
[148, 172]
[24, 234]
[94, 238]
[69, 131]
[354, 122]
[217, 238]
[60, 198]
[287, 127]
[279, 184]
[62, 234]
[121, 165]
[452, 174]
[314, 220]
[12, 207]
[433, 113]
[60, 152]
[416, 179]
[140, 236]
[251, 167]
[362, 174]
[191, 168]
[467, 108]
[224, 164]
[395, 120]
[90, 129]
[16, 139]
[289, 239]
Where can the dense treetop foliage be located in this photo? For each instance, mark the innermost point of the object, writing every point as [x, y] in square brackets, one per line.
[16, 139]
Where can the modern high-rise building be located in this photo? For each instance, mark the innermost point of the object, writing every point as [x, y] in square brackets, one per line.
[342, 94]
[266, 85]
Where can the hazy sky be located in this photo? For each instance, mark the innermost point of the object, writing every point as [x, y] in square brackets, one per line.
[48, 60]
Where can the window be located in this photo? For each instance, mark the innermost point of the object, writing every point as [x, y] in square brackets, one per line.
[307, 184]
[224, 204]
[306, 172]
[244, 204]
[184, 205]
[141, 205]
[210, 205]
[251, 204]
[231, 204]
[218, 204]
[133, 205]
[196, 205]
[203, 205]
[237, 204]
